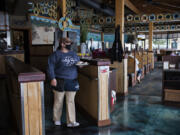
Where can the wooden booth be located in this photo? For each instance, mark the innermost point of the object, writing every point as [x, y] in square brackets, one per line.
[17, 54]
[93, 96]
[171, 79]
[26, 94]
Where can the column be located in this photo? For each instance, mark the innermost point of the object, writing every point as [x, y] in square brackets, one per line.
[150, 53]
[62, 5]
[150, 36]
[121, 67]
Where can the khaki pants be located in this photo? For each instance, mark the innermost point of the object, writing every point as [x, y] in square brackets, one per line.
[70, 106]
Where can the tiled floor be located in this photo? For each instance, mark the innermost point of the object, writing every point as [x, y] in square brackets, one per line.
[140, 113]
[136, 115]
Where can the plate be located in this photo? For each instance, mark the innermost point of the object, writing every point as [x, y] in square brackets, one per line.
[82, 64]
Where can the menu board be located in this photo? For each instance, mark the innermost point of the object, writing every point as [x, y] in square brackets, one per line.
[42, 35]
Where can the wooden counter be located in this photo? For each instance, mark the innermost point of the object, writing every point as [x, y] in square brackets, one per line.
[93, 96]
[171, 85]
[26, 94]
[17, 54]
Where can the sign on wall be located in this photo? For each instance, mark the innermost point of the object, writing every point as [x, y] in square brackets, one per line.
[42, 35]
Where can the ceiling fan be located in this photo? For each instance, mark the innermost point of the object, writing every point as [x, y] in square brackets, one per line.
[157, 3]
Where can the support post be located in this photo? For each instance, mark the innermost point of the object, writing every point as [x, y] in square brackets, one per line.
[167, 40]
[62, 5]
[150, 53]
[150, 36]
[122, 87]
[102, 40]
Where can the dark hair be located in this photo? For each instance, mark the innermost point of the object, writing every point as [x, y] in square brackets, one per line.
[63, 40]
[60, 44]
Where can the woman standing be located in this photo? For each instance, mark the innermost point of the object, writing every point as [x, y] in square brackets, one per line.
[62, 71]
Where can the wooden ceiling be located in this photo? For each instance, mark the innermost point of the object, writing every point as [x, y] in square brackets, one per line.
[148, 6]
[157, 6]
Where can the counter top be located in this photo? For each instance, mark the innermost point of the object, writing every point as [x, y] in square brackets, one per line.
[25, 72]
[97, 62]
[171, 70]
[11, 52]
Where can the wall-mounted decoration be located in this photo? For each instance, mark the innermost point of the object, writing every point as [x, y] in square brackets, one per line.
[160, 17]
[113, 20]
[168, 27]
[85, 13]
[47, 9]
[142, 28]
[173, 27]
[69, 25]
[94, 36]
[82, 21]
[168, 16]
[109, 37]
[128, 29]
[42, 35]
[162, 27]
[101, 20]
[178, 27]
[155, 18]
[137, 28]
[136, 18]
[19, 22]
[144, 18]
[156, 28]
[146, 28]
[175, 16]
[152, 17]
[88, 21]
[108, 20]
[133, 28]
[43, 21]
[130, 18]
[95, 20]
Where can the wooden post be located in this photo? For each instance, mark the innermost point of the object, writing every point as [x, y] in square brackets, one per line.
[102, 40]
[102, 36]
[150, 53]
[167, 41]
[150, 36]
[121, 67]
[120, 18]
[62, 4]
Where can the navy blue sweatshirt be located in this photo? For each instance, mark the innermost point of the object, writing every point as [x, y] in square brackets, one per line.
[62, 65]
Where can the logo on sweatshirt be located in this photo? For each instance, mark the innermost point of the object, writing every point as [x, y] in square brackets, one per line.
[69, 61]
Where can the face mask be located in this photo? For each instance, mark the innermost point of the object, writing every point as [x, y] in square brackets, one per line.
[68, 47]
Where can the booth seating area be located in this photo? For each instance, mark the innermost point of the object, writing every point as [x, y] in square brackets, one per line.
[164, 52]
[17, 54]
[93, 96]
[171, 79]
[26, 94]
[146, 64]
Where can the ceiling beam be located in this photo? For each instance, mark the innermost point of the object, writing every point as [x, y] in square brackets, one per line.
[131, 6]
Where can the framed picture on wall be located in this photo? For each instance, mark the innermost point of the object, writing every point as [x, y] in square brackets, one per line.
[42, 35]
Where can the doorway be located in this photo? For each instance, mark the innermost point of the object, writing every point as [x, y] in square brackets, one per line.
[20, 41]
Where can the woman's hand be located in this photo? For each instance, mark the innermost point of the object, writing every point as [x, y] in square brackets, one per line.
[54, 82]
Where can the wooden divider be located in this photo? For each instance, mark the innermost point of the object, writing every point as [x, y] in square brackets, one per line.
[93, 96]
[17, 54]
[26, 94]
[131, 65]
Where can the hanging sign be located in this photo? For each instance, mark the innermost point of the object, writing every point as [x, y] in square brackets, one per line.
[68, 25]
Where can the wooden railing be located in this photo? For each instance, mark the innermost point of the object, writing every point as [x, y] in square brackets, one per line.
[26, 94]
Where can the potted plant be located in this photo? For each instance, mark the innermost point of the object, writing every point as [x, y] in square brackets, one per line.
[83, 37]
